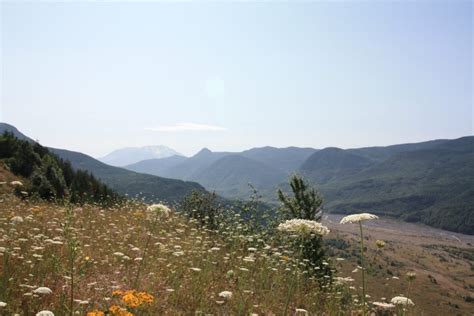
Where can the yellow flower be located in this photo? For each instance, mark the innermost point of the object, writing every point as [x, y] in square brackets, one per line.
[133, 298]
[119, 311]
[95, 313]
[145, 298]
[130, 299]
[118, 293]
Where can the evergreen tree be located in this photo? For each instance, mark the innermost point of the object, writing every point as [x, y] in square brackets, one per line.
[306, 203]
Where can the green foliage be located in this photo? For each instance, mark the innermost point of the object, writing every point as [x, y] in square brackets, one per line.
[305, 204]
[50, 177]
[204, 208]
[137, 185]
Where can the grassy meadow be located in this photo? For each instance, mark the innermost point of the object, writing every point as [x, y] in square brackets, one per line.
[94, 261]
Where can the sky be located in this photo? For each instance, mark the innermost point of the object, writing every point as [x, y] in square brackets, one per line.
[98, 76]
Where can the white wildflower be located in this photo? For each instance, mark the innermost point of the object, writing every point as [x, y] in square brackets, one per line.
[401, 300]
[3, 304]
[383, 305]
[160, 210]
[303, 227]
[16, 219]
[43, 290]
[226, 295]
[355, 218]
[45, 313]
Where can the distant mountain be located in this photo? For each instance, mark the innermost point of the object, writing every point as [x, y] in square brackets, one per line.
[156, 167]
[187, 169]
[330, 163]
[430, 182]
[4, 127]
[123, 181]
[382, 153]
[287, 159]
[152, 188]
[229, 173]
[230, 176]
[131, 155]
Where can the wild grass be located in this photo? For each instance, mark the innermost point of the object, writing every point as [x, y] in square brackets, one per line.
[84, 254]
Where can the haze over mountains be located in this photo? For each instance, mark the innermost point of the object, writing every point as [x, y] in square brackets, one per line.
[149, 187]
[429, 182]
[130, 155]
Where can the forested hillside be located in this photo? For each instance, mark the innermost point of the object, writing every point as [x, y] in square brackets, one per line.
[50, 177]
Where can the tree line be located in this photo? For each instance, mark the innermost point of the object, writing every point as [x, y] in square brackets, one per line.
[50, 177]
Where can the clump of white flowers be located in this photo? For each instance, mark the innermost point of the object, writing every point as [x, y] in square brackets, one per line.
[402, 300]
[43, 290]
[226, 295]
[45, 313]
[16, 219]
[303, 227]
[159, 209]
[411, 276]
[356, 218]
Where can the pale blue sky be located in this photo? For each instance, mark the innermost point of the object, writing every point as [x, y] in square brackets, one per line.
[94, 77]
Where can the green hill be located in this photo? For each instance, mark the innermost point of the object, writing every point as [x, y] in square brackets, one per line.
[47, 176]
[156, 166]
[287, 159]
[150, 187]
[331, 163]
[230, 176]
[123, 181]
[434, 186]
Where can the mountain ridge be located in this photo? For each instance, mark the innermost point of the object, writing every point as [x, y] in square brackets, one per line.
[129, 155]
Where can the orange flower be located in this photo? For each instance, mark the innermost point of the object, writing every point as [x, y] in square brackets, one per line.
[118, 293]
[95, 313]
[119, 311]
[145, 298]
[130, 299]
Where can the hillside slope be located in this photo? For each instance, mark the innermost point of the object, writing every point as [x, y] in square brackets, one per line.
[157, 166]
[330, 163]
[231, 175]
[126, 156]
[187, 169]
[152, 188]
[434, 186]
[123, 181]
[287, 159]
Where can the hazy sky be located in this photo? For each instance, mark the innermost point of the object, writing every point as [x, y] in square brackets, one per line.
[94, 77]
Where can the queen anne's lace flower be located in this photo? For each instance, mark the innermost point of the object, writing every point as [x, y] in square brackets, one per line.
[383, 305]
[402, 300]
[45, 313]
[355, 218]
[43, 290]
[226, 294]
[159, 210]
[303, 227]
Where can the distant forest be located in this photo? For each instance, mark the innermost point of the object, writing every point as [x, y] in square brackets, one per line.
[50, 177]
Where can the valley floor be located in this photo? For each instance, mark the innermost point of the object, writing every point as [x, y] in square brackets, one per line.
[442, 260]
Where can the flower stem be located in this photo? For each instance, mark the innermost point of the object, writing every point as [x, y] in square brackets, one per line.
[362, 265]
